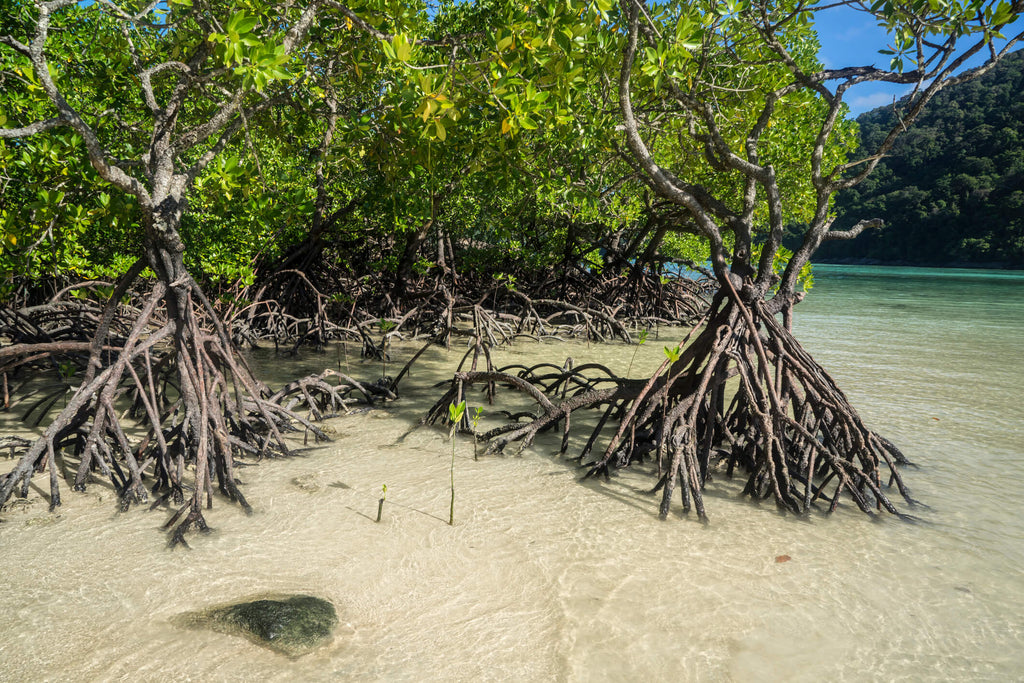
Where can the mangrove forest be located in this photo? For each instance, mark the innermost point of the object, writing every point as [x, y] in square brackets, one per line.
[184, 180]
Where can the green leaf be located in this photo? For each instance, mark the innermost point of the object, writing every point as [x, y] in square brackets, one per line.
[455, 412]
[1002, 14]
[241, 22]
[402, 48]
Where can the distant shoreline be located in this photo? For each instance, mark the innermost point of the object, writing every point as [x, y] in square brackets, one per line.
[992, 265]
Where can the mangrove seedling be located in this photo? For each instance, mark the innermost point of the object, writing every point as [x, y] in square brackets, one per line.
[343, 350]
[455, 413]
[380, 503]
[640, 342]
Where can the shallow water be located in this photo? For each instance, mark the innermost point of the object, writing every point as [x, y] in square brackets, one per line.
[545, 578]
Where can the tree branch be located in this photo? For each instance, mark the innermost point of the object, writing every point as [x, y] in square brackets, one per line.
[16, 45]
[662, 182]
[98, 156]
[860, 227]
[31, 129]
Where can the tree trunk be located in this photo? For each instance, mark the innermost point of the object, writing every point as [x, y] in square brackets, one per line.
[414, 240]
[197, 400]
[786, 424]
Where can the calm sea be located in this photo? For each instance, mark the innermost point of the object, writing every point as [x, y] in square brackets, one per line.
[935, 358]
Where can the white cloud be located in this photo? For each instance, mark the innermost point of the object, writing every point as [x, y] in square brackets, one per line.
[871, 101]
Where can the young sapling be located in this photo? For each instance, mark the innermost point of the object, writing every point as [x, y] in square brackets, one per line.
[455, 413]
[380, 503]
[641, 342]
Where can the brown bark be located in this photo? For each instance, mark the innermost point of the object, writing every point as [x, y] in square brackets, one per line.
[215, 408]
[787, 426]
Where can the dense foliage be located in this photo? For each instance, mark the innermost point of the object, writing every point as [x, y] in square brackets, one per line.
[384, 153]
[952, 190]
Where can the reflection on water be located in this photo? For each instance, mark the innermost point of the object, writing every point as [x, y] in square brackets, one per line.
[545, 578]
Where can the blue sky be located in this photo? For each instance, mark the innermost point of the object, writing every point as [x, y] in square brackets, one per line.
[851, 38]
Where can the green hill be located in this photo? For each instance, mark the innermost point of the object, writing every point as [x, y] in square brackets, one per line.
[952, 191]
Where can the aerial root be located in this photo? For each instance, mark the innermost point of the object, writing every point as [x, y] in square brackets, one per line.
[157, 396]
[786, 424]
[289, 307]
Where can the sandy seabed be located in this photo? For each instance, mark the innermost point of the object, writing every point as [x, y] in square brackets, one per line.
[541, 577]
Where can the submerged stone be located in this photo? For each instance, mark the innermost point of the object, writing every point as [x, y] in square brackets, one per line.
[292, 626]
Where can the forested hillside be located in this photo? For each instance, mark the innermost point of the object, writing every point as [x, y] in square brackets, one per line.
[952, 191]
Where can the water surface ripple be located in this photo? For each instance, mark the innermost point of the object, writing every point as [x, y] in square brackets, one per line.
[544, 578]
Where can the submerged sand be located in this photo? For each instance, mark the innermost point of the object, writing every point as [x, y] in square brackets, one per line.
[540, 578]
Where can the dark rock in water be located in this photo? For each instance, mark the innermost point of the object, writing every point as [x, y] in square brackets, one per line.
[292, 626]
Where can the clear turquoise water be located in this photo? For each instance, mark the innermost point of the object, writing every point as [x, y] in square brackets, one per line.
[934, 358]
